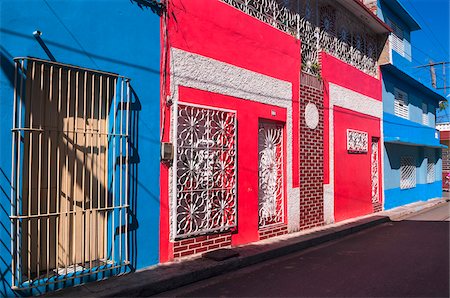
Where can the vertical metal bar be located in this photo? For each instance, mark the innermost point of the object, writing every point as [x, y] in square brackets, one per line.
[19, 206]
[49, 171]
[75, 158]
[105, 164]
[113, 176]
[174, 169]
[66, 129]
[30, 151]
[120, 170]
[91, 171]
[126, 169]
[13, 181]
[58, 185]
[38, 252]
[83, 183]
[99, 143]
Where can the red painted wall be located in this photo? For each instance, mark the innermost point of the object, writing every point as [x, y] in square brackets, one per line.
[352, 191]
[216, 30]
[353, 180]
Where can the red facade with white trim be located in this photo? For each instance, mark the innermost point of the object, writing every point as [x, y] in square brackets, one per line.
[284, 165]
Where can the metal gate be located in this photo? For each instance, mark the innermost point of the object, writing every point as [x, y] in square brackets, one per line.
[69, 197]
[271, 174]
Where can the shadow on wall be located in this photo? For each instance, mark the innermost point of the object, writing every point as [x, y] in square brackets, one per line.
[396, 151]
[73, 201]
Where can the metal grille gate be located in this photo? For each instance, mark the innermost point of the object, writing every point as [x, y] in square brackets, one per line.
[270, 174]
[69, 197]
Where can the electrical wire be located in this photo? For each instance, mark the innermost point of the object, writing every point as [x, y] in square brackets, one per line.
[445, 51]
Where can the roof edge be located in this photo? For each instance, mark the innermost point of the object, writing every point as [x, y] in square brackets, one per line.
[412, 81]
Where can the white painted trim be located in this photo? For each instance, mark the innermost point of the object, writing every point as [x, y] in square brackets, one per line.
[354, 101]
[203, 73]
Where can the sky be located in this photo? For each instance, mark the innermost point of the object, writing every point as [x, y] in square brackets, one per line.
[431, 42]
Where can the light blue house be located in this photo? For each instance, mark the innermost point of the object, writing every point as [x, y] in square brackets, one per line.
[79, 141]
[412, 152]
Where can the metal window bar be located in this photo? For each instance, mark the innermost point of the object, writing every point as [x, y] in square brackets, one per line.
[204, 171]
[407, 172]
[70, 151]
[431, 172]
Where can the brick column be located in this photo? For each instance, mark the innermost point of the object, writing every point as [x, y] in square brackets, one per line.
[311, 152]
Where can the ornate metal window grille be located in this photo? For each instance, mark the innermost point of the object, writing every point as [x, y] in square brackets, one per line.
[205, 171]
[407, 172]
[401, 107]
[431, 173]
[69, 197]
[445, 159]
[375, 172]
[357, 141]
[320, 25]
[271, 178]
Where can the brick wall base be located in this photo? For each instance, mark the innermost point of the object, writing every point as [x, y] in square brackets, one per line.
[273, 231]
[311, 155]
[201, 244]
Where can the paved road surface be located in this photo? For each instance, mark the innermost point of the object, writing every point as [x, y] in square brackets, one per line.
[397, 259]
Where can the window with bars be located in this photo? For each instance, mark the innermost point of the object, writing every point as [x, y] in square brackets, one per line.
[407, 172]
[425, 118]
[69, 172]
[431, 173]
[204, 171]
[401, 107]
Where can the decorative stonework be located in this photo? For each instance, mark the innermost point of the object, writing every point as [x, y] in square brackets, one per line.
[357, 141]
[311, 115]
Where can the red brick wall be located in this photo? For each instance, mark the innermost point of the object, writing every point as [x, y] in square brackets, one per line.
[311, 155]
[272, 231]
[200, 244]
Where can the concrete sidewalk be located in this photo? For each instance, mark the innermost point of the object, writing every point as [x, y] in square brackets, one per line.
[179, 273]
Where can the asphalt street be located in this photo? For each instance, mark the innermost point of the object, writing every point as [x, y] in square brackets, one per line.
[408, 258]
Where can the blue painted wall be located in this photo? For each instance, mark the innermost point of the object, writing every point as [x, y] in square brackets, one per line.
[422, 143]
[394, 196]
[415, 97]
[119, 36]
[385, 12]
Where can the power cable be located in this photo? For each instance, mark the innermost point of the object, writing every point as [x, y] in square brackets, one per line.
[429, 29]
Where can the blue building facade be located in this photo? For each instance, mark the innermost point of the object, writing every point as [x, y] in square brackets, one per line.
[79, 141]
[412, 152]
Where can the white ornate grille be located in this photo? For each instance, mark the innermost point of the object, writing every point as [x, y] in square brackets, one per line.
[271, 191]
[431, 174]
[320, 25]
[357, 141]
[205, 170]
[69, 198]
[407, 172]
[374, 167]
[401, 108]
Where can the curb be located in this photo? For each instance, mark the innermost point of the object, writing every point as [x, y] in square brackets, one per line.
[415, 209]
[177, 274]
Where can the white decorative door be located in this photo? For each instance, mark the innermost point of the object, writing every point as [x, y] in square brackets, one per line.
[271, 177]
